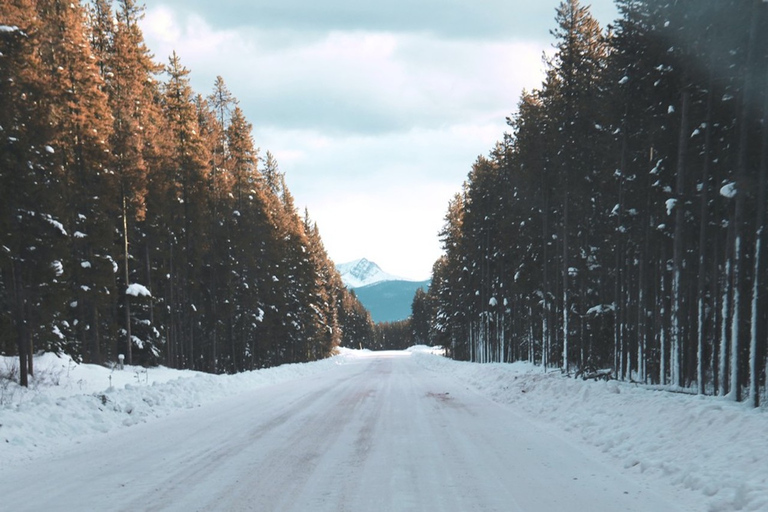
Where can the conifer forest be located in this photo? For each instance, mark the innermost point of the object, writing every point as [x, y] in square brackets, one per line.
[137, 217]
[619, 229]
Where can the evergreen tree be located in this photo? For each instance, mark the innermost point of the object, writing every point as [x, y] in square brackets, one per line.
[32, 260]
[572, 92]
[83, 161]
[422, 310]
[128, 70]
[357, 328]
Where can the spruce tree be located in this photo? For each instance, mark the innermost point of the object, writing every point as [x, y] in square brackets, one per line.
[32, 260]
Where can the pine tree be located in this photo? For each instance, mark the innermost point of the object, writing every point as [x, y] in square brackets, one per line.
[421, 313]
[357, 328]
[758, 275]
[33, 237]
[183, 211]
[127, 70]
[572, 91]
[80, 114]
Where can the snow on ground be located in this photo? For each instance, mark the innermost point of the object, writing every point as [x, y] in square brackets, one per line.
[706, 444]
[68, 402]
[710, 446]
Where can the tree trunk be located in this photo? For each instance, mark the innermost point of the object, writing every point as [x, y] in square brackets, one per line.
[641, 324]
[725, 308]
[151, 288]
[565, 278]
[760, 227]
[21, 324]
[741, 191]
[30, 353]
[96, 356]
[545, 330]
[676, 341]
[662, 314]
[128, 340]
[703, 223]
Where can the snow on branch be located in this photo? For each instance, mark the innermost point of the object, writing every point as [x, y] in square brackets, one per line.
[670, 203]
[9, 29]
[53, 222]
[728, 190]
[601, 309]
[137, 290]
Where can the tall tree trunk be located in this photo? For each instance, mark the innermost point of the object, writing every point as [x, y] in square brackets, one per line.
[641, 324]
[618, 333]
[531, 345]
[173, 346]
[704, 221]
[96, 337]
[151, 288]
[565, 278]
[662, 297]
[714, 271]
[30, 353]
[545, 318]
[21, 324]
[735, 387]
[126, 275]
[618, 305]
[725, 318]
[741, 190]
[675, 340]
[760, 227]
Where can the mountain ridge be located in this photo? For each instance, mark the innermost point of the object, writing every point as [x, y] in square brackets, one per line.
[363, 272]
[387, 297]
[389, 301]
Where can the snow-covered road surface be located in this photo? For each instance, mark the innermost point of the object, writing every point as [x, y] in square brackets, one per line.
[379, 432]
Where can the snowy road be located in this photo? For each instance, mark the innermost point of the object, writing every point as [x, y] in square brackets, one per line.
[377, 433]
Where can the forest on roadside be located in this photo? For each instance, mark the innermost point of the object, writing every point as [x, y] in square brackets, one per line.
[620, 227]
[138, 217]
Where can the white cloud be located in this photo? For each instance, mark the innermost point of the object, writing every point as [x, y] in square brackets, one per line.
[457, 19]
[350, 81]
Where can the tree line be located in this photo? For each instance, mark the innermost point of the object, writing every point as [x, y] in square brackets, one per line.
[138, 217]
[621, 223]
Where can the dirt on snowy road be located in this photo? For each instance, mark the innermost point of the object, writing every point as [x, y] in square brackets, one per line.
[378, 433]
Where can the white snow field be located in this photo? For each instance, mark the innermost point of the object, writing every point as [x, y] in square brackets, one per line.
[367, 431]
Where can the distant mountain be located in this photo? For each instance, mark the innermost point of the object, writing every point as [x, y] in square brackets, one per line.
[363, 272]
[387, 297]
[389, 301]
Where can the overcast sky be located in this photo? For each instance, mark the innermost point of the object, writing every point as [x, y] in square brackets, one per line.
[375, 111]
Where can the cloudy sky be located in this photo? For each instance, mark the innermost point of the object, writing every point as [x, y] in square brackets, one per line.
[374, 110]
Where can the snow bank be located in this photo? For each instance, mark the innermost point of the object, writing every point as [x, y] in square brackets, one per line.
[68, 402]
[423, 349]
[706, 444]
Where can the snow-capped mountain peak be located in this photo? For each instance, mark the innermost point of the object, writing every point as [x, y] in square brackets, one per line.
[363, 272]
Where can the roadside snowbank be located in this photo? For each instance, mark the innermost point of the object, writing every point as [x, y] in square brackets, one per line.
[706, 444]
[68, 402]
